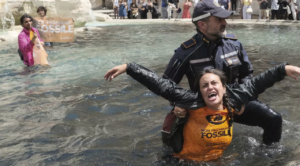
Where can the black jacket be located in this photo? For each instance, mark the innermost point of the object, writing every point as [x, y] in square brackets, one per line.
[198, 53]
[187, 99]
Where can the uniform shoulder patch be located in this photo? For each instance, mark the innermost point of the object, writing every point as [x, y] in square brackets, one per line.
[230, 36]
[189, 43]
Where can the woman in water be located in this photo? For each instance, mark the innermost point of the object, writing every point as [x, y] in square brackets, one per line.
[208, 130]
[26, 40]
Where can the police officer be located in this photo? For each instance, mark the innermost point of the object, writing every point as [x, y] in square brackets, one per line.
[212, 48]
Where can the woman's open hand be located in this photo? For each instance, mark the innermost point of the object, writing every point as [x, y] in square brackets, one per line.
[292, 71]
[114, 72]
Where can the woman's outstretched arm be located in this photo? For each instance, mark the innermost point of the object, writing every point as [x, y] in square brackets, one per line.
[251, 89]
[160, 86]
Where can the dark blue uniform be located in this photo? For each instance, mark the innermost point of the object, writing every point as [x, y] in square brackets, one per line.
[228, 55]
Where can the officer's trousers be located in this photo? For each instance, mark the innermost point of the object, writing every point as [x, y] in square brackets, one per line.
[259, 114]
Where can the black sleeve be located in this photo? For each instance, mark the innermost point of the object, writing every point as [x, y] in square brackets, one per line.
[246, 69]
[250, 90]
[265, 80]
[176, 68]
[163, 87]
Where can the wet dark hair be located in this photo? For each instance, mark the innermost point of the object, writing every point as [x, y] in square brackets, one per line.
[41, 8]
[223, 79]
[25, 16]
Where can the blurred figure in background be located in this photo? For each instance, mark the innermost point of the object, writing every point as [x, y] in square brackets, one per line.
[155, 13]
[264, 12]
[134, 9]
[246, 7]
[186, 9]
[274, 9]
[143, 9]
[293, 4]
[225, 4]
[122, 9]
[283, 9]
[42, 11]
[164, 9]
[116, 8]
[149, 9]
[233, 5]
[129, 9]
[298, 7]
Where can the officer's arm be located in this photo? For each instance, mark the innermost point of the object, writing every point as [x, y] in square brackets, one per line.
[176, 67]
[246, 69]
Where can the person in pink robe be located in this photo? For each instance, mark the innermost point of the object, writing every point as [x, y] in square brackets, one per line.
[26, 39]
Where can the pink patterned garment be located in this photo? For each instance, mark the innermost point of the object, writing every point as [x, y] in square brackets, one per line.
[186, 10]
[26, 46]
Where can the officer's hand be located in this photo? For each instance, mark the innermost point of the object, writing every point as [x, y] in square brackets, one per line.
[292, 71]
[179, 112]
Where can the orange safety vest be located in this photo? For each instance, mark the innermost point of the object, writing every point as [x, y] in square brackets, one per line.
[206, 135]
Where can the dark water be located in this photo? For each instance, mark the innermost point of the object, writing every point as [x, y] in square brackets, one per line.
[67, 114]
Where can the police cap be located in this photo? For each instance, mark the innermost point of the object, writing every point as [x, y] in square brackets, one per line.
[207, 8]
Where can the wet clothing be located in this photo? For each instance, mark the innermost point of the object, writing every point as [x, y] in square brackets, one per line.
[242, 93]
[26, 46]
[226, 54]
[207, 134]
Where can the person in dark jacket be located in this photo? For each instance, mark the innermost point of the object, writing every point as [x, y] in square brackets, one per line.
[143, 9]
[153, 7]
[210, 108]
[282, 11]
[211, 47]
